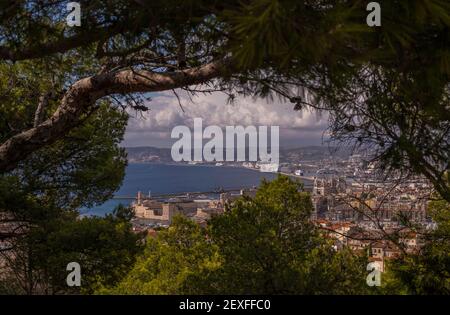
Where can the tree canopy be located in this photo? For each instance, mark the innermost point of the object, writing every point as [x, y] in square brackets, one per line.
[63, 95]
[262, 245]
[40, 228]
[428, 271]
[385, 87]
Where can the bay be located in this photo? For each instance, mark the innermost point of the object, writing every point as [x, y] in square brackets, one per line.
[167, 179]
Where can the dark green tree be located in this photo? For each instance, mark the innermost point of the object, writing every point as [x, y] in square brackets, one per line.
[265, 245]
[39, 201]
[105, 248]
[427, 271]
[169, 261]
[385, 87]
[270, 246]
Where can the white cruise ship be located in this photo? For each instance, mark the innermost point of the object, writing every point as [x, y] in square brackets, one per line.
[299, 173]
[268, 167]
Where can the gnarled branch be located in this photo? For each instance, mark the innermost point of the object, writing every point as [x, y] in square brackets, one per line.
[83, 94]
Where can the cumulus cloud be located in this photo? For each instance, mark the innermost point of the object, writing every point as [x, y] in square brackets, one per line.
[153, 128]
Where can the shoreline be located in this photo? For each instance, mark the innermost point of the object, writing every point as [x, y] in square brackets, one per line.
[222, 166]
[146, 178]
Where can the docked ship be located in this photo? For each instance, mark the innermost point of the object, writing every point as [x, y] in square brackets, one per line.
[268, 167]
[250, 165]
[299, 173]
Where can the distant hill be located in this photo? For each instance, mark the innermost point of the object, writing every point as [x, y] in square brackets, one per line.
[313, 153]
[148, 155]
[287, 155]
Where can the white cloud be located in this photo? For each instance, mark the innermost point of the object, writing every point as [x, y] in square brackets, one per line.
[154, 127]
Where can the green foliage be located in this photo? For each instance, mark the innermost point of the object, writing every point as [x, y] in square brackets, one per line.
[105, 248]
[308, 34]
[264, 245]
[169, 261]
[262, 239]
[83, 169]
[42, 195]
[386, 88]
[426, 272]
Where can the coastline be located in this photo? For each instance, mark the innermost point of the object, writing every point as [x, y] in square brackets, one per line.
[177, 178]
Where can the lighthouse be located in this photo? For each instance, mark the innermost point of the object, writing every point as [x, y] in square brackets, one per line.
[139, 198]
